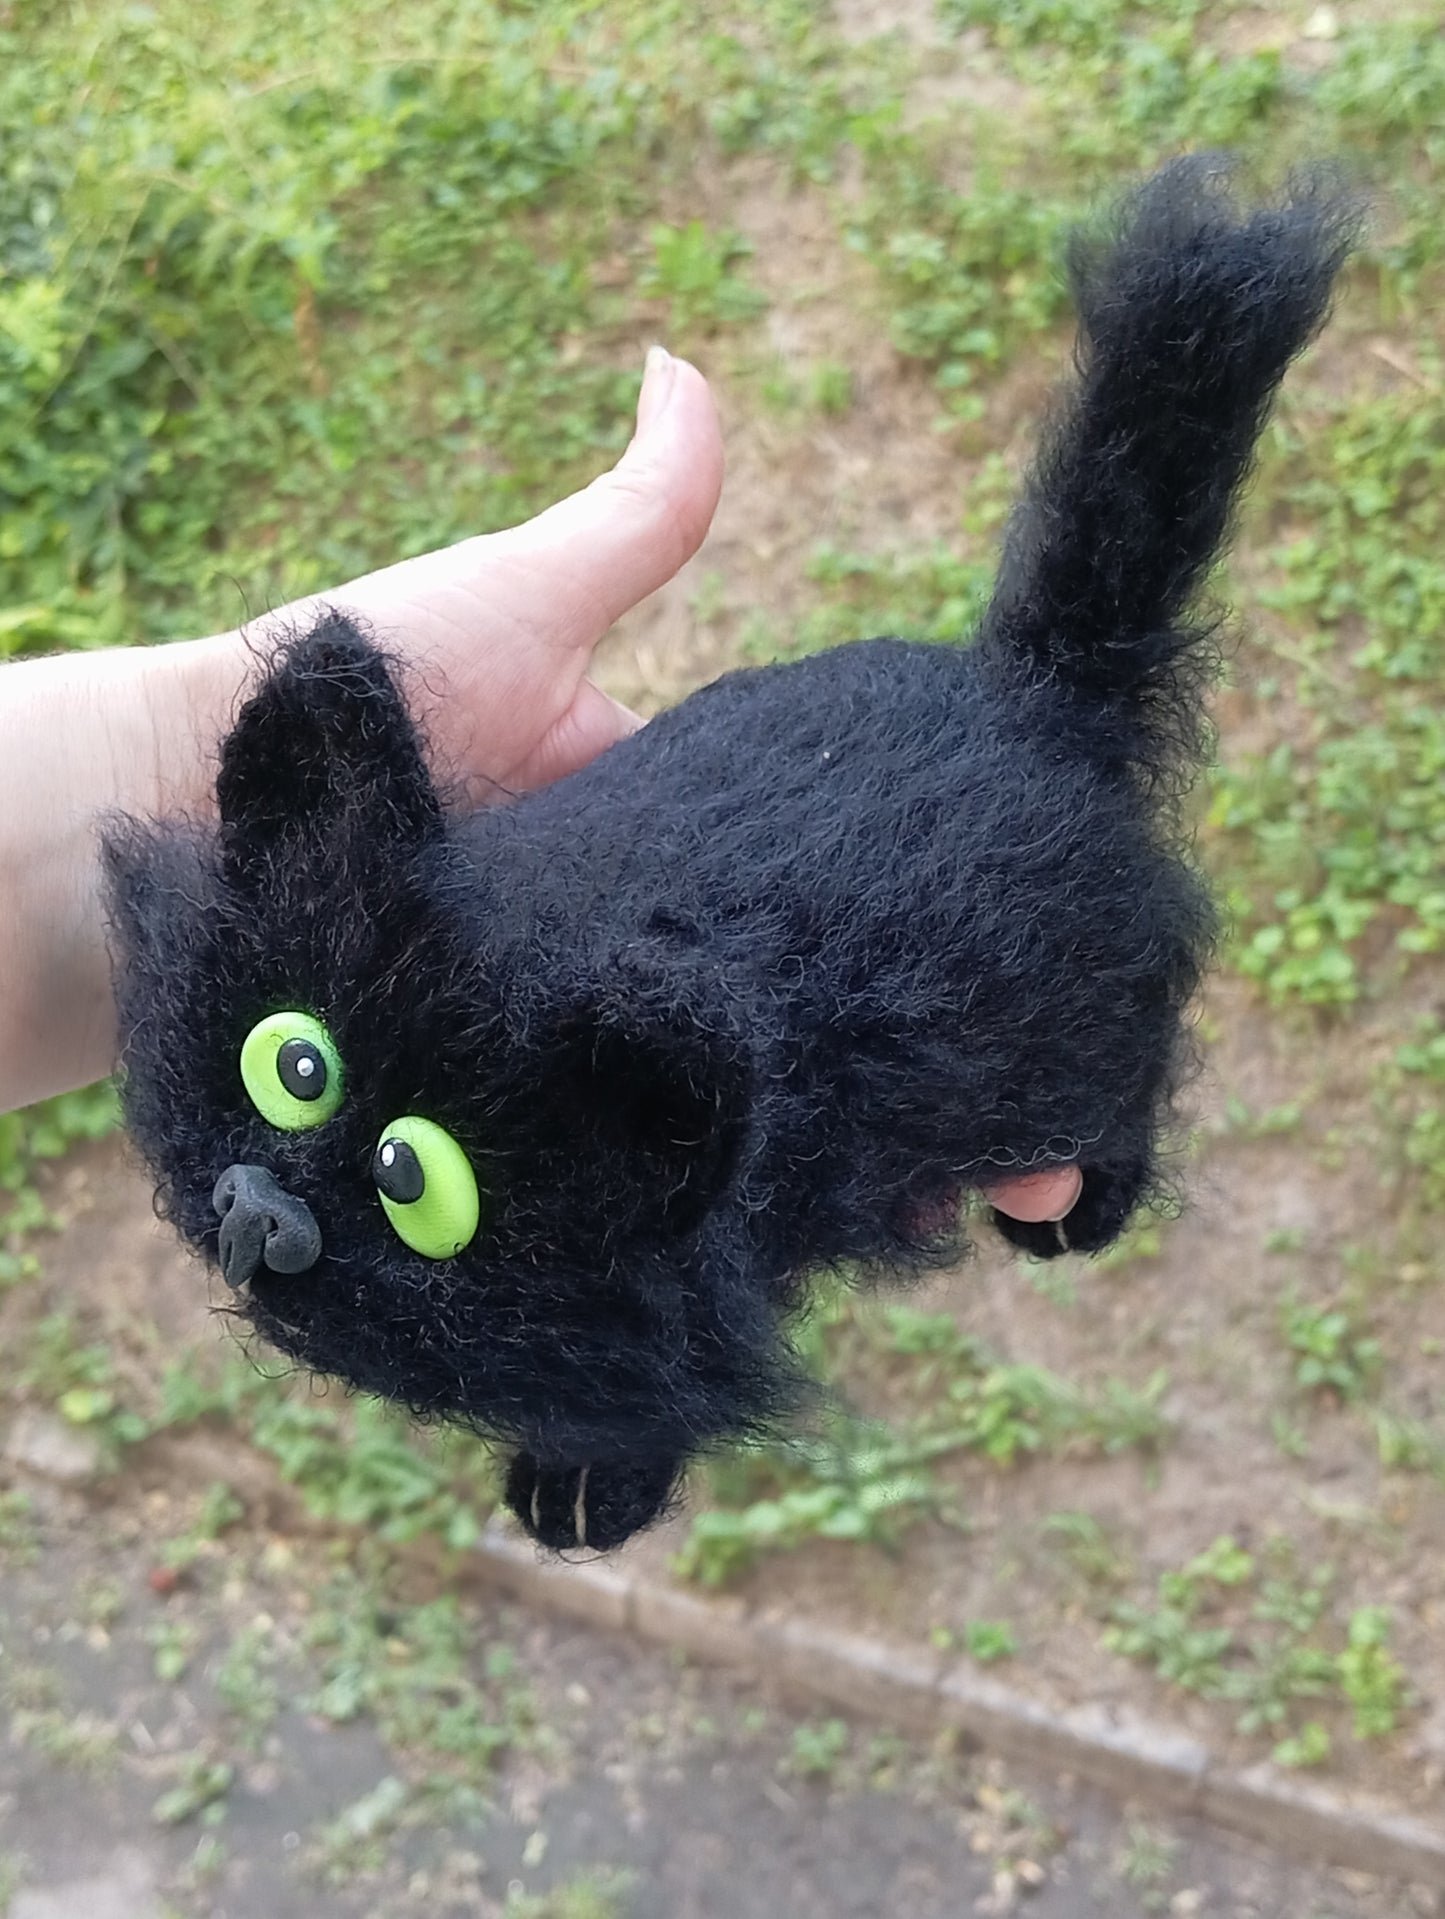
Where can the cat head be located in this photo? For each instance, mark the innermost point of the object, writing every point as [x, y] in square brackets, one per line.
[432, 1154]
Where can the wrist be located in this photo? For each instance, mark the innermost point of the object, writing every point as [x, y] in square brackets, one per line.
[83, 736]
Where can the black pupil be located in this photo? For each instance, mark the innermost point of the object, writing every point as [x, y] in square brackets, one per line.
[301, 1069]
[397, 1172]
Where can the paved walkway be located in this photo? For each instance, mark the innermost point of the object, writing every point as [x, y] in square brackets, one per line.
[292, 1727]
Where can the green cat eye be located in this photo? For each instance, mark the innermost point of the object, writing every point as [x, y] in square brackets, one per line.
[427, 1187]
[292, 1071]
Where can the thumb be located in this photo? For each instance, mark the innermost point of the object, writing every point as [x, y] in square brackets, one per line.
[594, 555]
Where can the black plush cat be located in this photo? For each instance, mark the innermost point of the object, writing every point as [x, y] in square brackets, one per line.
[542, 1116]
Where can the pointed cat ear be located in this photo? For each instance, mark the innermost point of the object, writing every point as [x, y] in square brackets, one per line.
[323, 758]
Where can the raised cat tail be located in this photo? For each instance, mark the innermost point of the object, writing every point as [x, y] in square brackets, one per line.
[1189, 313]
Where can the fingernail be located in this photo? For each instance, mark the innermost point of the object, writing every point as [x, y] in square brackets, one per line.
[659, 374]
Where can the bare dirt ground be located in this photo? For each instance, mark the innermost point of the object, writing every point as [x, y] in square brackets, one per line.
[627, 1784]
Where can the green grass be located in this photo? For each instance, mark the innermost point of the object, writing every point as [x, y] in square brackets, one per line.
[1075, 26]
[1342, 828]
[297, 292]
[1411, 1090]
[1411, 1445]
[41, 1720]
[357, 1841]
[245, 1683]
[818, 1748]
[225, 345]
[595, 1893]
[932, 595]
[27, 1139]
[969, 276]
[700, 276]
[1226, 1628]
[80, 1381]
[866, 1481]
[1370, 1676]
[199, 1792]
[989, 1640]
[1330, 1352]
[19, 1543]
[859, 1484]
[445, 1705]
[355, 1462]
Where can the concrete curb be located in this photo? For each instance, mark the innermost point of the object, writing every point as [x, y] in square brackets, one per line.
[923, 1691]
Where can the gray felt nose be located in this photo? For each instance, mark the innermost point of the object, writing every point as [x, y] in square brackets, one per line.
[260, 1221]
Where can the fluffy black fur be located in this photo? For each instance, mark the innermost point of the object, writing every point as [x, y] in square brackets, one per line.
[769, 985]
